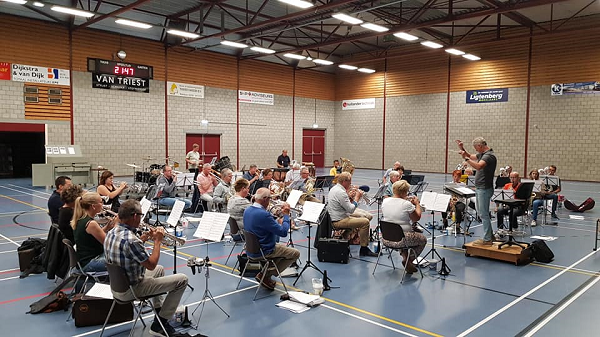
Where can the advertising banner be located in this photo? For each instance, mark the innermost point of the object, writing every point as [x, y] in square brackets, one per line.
[114, 82]
[33, 74]
[5, 71]
[577, 88]
[185, 90]
[256, 97]
[487, 96]
[357, 104]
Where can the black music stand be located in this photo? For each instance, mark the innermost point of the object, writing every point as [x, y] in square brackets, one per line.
[548, 180]
[522, 196]
[433, 251]
[309, 263]
[323, 181]
[379, 196]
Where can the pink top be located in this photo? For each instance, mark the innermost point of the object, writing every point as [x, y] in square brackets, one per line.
[205, 183]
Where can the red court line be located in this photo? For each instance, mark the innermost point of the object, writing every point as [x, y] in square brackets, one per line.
[10, 271]
[30, 297]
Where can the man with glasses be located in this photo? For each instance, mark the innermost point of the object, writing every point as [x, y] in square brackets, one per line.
[168, 182]
[485, 164]
[123, 248]
[268, 230]
[549, 192]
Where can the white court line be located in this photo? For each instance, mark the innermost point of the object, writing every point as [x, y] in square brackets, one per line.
[19, 212]
[561, 308]
[8, 278]
[367, 320]
[34, 195]
[8, 251]
[30, 189]
[506, 307]
[9, 240]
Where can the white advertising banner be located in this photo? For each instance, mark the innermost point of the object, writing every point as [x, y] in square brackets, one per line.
[34, 74]
[256, 97]
[185, 90]
[356, 104]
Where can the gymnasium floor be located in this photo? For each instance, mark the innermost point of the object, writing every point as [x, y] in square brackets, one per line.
[479, 298]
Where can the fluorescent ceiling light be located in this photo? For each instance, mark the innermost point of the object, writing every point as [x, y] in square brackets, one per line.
[315, 126]
[298, 3]
[204, 122]
[133, 23]
[431, 44]
[366, 70]
[406, 36]
[263, 50]
[20, 2]
[323, 62]
[374, 27]
[346, 66]
[72, 11]
[455, 51]
[183, 33]
[347, 18]
[471, 57]
[295, 56]
[233, 44]
[38, 4]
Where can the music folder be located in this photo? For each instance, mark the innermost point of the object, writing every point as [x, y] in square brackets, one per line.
[435, 201]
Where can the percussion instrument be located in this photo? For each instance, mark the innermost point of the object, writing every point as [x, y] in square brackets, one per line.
[222, 163]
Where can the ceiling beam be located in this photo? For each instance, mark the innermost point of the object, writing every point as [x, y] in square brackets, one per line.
[113, 13]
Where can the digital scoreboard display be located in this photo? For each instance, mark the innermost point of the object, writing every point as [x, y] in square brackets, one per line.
[117, 75]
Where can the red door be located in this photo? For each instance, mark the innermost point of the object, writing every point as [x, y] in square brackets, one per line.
[313, 146]
[210, 145]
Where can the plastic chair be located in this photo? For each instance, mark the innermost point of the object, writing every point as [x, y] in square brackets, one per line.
[394, 233]
[253, 247]
[233, 227]
[119, 282]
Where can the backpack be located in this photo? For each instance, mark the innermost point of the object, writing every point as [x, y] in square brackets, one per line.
[53, 302]
[539, 251]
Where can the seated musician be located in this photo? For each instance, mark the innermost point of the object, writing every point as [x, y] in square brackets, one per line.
[89, 236]
[206, 183]
[396, 167]
[107, 189]
[222, 192]
[457, 207]
[342, 208]
[265, 181]
[238, 204]
[54, 202]
[283, 161]
[402, 210]
[292, 175]
[268, 230]
[125, 249]
[515, 183]
[393, 177]
[300, 184]
[65, 214]
[252, 176]
[336, 169]
[168, 182]
[547, 193]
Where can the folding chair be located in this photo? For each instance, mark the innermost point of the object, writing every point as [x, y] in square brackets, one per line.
[253, 247]
[233, 227]
[394, 233]
[119, 282]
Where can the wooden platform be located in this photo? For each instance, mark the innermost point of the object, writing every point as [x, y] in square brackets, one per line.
[507, 253]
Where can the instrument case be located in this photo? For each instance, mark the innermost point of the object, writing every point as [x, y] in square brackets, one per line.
[89, 311]
[333, 250]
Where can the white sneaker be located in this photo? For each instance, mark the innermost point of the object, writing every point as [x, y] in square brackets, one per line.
[533, 223]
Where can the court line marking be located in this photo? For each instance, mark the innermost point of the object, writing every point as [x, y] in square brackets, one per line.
[33, 195]
[8, 278]
[561, 308]
[30, 189]
[517, 300]
[23, 202]
[369, 321]
[9, 240]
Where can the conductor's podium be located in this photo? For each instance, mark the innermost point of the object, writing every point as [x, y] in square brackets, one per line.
[512, 254]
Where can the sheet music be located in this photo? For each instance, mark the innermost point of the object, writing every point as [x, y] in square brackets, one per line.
[184, 179]
[537, 184]
[293, 198]
[501, 194]
[435, 201]
[311, 211]
[176, 213]
[304, 298]
[145, 203]
[465, 190]
[100, 290]
[550, 180]
[292, 306]
[212, 225]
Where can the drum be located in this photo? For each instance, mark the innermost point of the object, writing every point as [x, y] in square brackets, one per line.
[279, 173]
[154, 174]
[222, 163]
[142, 177]
[156, 167]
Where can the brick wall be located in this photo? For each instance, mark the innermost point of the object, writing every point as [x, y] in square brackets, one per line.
[12, 105]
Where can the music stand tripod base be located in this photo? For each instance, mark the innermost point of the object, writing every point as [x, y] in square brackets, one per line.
[308, 261]
[207, 294]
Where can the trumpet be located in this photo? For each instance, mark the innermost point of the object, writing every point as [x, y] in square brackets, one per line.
[168, 240]
[364, 197]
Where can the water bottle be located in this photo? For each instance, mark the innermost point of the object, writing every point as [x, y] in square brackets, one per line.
[184, 222]
[179, 231]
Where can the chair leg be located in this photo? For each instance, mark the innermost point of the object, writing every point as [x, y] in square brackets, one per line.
[263, 273]
[391, 259]
[377, 262]
[228, 256]
[157, 318]
[242, 275]
[280, 278]
[108, 317]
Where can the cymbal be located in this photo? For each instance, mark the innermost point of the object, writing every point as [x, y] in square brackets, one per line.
[133, 165]
[148, 158]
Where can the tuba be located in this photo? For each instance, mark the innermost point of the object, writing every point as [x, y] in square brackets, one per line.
[347, 165]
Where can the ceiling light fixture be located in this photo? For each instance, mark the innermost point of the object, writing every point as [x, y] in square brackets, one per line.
[347, 18]
[263, 50]
[455, 51]
[72, 11]
[183, 33]
[132, 23]
[347, 66]
[298, 3]
[233, 44]
[295, 56]
[204, 122]
[406, 36]
[375, 27]
[19, 2]
[366, 70]
[471, 57]
[431, 44]
[323, 62]
[38, 4]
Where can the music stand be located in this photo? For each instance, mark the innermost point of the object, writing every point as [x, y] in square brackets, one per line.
[378, 197]
[434, 202]
[312, 214]
[466, 193]
[323, 181]
[211, 228]
[549, 181]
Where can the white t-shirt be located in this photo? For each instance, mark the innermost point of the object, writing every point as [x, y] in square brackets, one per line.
[398, 210]
[194, 157]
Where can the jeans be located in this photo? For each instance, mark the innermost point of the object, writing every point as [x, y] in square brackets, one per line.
[539, 202]
[98, 264]
[171, 201]
[483, 196]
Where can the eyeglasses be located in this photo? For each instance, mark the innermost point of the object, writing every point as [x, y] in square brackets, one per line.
[136, 213]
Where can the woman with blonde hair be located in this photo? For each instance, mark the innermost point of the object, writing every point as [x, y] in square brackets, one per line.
[89, 236]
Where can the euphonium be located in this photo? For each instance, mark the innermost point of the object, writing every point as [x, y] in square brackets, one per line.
[275, 207]
[309, 189]
[168, 240]
[276, 188]
[347, 165]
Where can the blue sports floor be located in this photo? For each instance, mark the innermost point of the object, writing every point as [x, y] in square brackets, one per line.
[480, 297]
